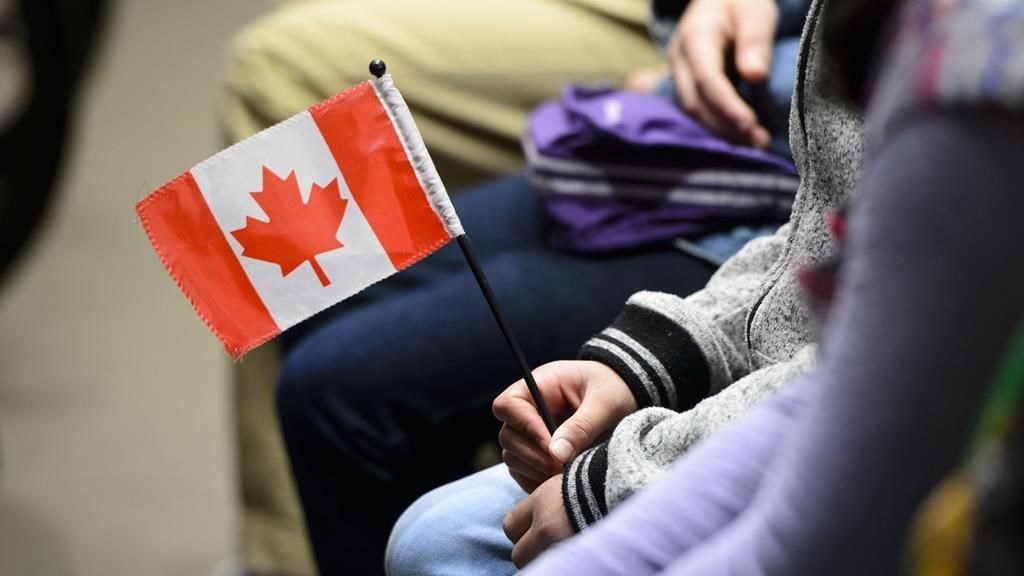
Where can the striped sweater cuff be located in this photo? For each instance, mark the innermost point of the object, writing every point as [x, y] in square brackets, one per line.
[583, 487]
[658, 359]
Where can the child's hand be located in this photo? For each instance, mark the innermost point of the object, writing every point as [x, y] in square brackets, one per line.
[587, 398]
[537, 522]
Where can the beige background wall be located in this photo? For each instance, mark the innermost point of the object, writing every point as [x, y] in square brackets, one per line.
[115, 439]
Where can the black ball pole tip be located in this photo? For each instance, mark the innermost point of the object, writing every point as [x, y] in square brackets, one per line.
[378, 68]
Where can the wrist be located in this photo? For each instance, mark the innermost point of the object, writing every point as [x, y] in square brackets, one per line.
[620, 398]
[655, 357]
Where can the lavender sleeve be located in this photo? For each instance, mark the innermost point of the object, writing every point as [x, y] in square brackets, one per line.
[719, 478]
[931, 290]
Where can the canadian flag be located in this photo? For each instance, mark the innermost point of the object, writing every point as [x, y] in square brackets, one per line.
[301, 216]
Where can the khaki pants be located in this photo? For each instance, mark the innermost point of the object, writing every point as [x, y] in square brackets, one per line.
[470, 70]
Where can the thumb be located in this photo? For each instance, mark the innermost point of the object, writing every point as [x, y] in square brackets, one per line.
[756, 22]
[580, 431]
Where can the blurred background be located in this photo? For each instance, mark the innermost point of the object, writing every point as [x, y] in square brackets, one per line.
[116, 442]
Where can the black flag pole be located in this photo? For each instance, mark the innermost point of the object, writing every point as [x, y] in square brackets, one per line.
[492, 302]
[378, 68]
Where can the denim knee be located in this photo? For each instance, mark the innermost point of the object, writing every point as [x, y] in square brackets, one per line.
[423, 536]
[456, 529]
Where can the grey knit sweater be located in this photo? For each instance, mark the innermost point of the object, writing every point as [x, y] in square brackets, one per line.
[696, 363]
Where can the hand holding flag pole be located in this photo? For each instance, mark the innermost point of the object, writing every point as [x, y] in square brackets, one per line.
[378, 68]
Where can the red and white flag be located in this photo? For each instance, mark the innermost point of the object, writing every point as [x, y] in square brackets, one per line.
[301, 216]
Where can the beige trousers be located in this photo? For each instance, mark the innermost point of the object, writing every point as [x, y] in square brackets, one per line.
[470, 70]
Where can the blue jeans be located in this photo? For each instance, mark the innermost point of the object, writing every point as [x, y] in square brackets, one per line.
[388, 395]
[455, 530]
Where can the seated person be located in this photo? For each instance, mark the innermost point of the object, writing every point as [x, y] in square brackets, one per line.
[694, 363]
[387, 395]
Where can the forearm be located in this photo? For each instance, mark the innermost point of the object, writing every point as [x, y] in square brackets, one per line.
[645, 444]
[701, 494]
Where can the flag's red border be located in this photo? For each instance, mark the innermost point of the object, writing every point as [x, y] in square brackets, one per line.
[184, 233]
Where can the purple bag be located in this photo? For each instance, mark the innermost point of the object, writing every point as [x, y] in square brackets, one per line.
[618, 170]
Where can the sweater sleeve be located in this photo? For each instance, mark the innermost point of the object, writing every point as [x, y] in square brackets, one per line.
[672, 351]
[645, 444]
[715, 482]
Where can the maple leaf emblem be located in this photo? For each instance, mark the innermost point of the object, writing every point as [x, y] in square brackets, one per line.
[296, 232]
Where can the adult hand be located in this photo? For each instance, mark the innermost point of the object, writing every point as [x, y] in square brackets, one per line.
[537, 522]
[708, 31]
[587, 398]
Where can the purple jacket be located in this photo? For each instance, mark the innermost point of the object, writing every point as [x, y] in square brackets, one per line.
[617, 170]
